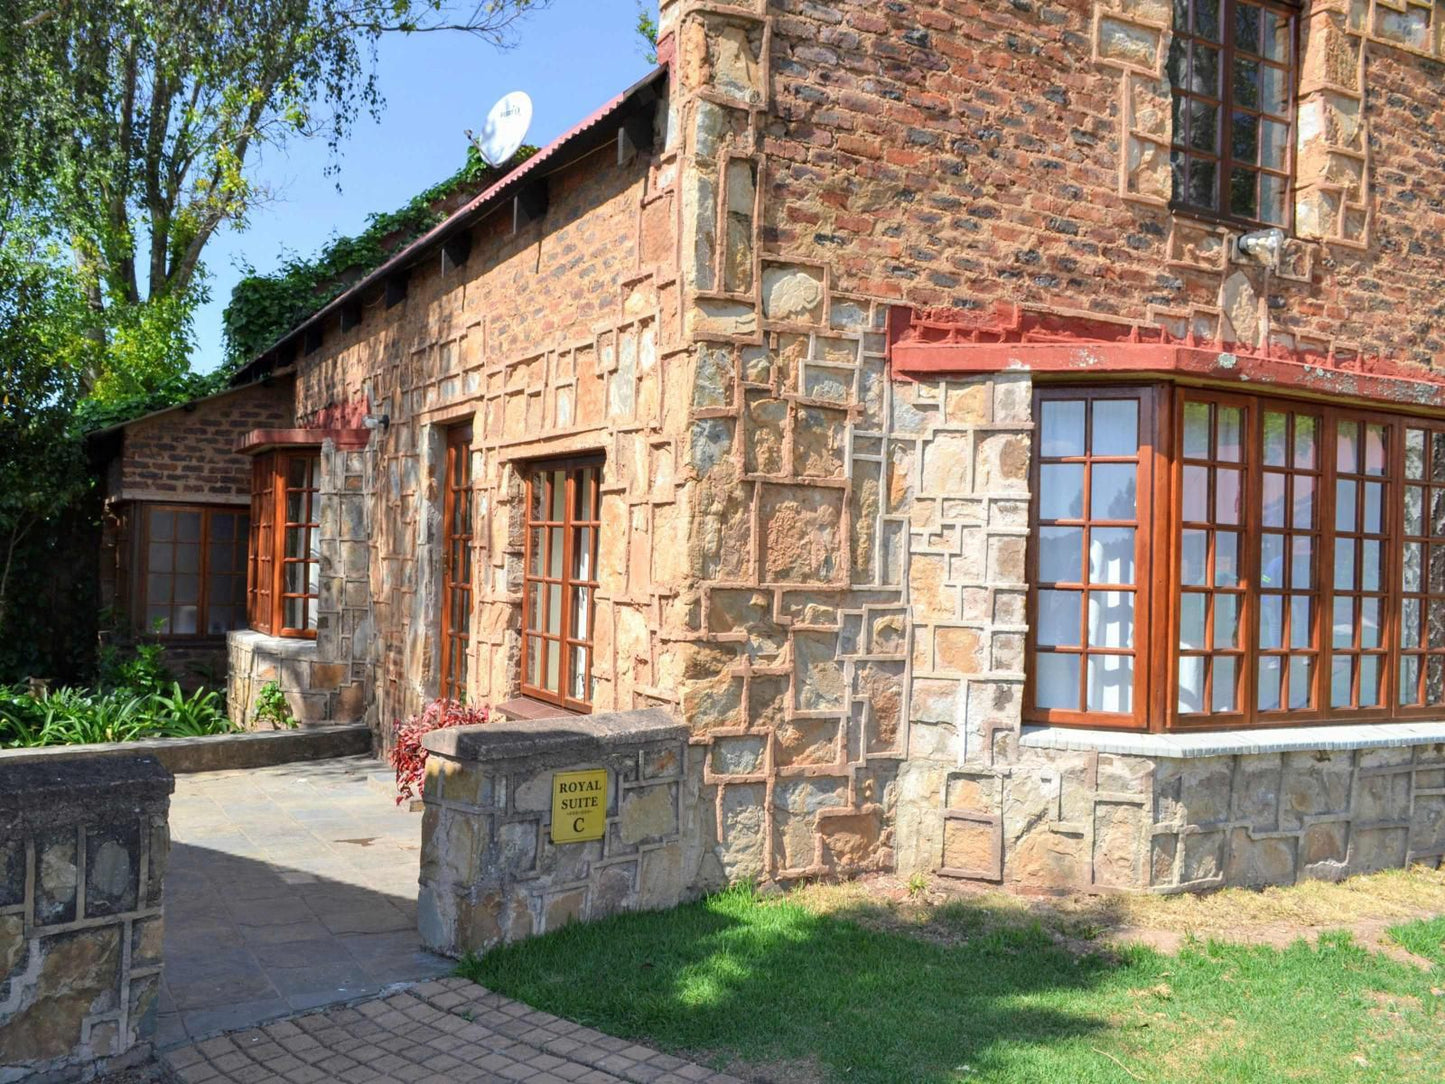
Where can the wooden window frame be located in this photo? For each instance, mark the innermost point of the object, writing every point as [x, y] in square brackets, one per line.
[1145, 527]
[457, 565]
[204, 542]
[1224, 160]
[538, 533]
[266, 595]
[1160, 589]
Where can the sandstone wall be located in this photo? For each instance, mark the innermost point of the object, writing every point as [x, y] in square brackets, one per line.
[555, 340]
[857, 635]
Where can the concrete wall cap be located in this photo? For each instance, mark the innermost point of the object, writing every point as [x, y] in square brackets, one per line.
[64, 791]
[574, 738]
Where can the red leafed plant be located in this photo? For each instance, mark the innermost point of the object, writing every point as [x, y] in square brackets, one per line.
[408, 755]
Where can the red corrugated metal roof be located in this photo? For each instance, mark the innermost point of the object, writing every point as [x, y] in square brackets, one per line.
[479, 203]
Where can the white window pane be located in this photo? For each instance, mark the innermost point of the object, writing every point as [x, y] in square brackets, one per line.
[1342, 674]
[1059, 618]
[1111, 555]
[1226, 622]
[1116, 427]
[1191, 620]
[1111, 683]
[1300, 669]
[1191, 684]
[1269, 683]
[1271, 622]
[1061, 428]
[1111, 619]
[1061, 554]
[1061, 491]
[1222, 692]
[1113, 493]
[1056, 682]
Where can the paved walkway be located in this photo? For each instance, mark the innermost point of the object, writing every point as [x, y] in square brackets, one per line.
[445, 1031]
[289, 888]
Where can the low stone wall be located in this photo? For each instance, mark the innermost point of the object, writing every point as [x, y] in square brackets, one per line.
[83, 849]
[1323, 806]
[490, 870]
[317, 691]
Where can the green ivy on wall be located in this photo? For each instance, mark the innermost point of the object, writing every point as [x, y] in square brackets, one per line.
[263, 308]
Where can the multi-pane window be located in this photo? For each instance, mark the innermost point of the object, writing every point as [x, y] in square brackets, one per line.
[1093, 477]
[1422, 572]
[1232, 69]
[284, 568]
[560, 581]
[1295, 569]
[193, 569]
[456, 564]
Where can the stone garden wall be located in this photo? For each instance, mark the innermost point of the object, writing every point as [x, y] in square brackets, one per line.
[490, 870]
[83, 849]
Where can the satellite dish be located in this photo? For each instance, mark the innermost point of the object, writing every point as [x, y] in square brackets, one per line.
[505, 128]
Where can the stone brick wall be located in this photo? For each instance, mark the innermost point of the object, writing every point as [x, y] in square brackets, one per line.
[83, 849]
[490, 872]
[962, 154]
[189, 454]
[1107, 822]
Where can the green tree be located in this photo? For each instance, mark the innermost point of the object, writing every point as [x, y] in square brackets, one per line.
[41, 469]
[132, 126]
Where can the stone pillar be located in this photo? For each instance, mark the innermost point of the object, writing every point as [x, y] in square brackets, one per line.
[83, 848]
[491, 871]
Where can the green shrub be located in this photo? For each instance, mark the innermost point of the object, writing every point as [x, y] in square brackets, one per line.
[271, 707]
[70, 716]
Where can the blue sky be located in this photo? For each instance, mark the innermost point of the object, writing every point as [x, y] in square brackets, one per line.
[570, 58]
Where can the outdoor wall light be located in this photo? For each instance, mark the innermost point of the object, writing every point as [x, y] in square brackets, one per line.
[377, 421]
[1266, 246]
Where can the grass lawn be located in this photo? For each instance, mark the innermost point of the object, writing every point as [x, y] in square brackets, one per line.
[805, 988]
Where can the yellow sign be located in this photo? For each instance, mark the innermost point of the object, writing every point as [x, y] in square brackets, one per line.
[579, 806]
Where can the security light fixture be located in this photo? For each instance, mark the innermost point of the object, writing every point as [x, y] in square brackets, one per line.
[1266, 246]
[376, 421]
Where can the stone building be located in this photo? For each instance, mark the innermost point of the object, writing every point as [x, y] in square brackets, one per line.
[1006, 434]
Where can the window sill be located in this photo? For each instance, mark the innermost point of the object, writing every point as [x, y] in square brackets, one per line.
[524, 707]
[1234, 742]
[293, 647]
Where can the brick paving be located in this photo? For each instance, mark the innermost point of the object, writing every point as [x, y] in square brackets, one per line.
[442, 1031]
[289, 888]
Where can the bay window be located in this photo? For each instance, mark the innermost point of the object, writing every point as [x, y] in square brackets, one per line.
[284, 567]
[1290, 555]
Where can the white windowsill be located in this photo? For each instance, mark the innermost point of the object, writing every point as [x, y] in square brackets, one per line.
[1231, 742]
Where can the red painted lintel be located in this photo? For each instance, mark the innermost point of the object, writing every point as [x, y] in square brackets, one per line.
[264, 440]
[922, 359]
